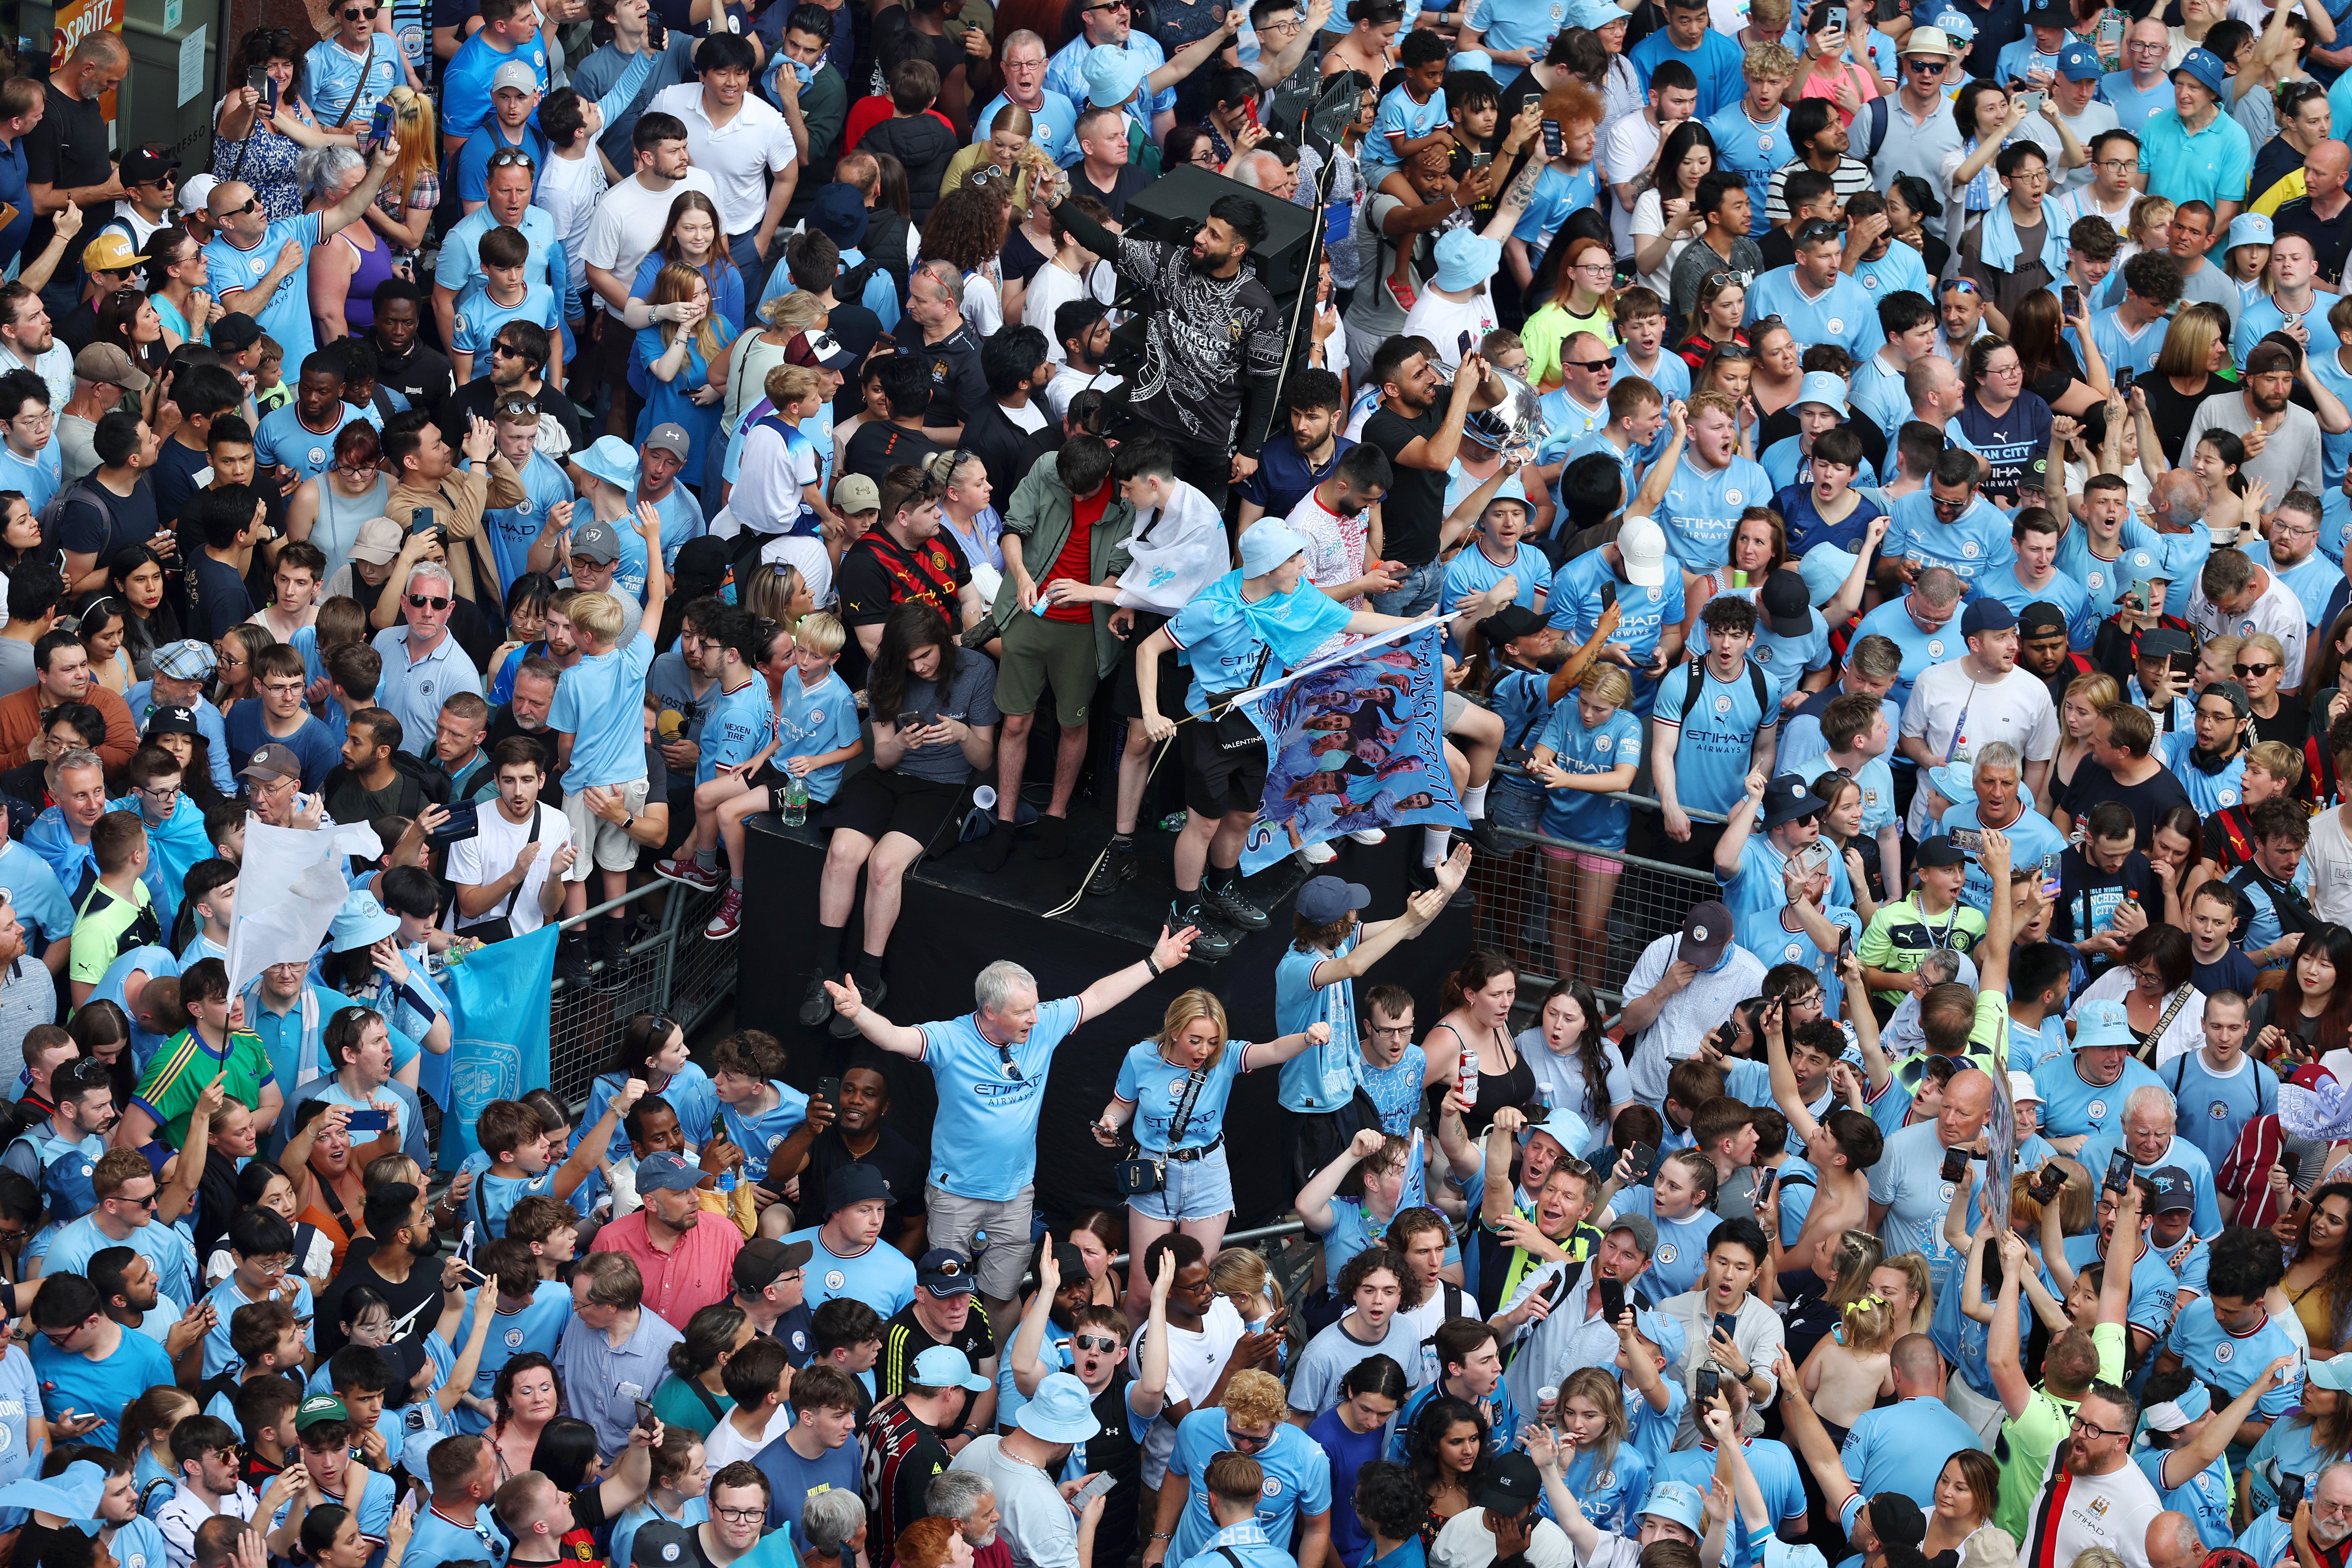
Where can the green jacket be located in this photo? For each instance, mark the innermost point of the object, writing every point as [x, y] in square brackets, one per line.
[1040, 516]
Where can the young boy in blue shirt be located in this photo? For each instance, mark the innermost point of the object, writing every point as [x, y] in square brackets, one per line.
[505, 295]
[816, 735]
[599, 723]
[510, 1133]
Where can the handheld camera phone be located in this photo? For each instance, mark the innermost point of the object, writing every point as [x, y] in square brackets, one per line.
[2119, 1171]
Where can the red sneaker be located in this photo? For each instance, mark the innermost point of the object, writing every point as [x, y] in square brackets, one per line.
[687, 872]
[729, 916]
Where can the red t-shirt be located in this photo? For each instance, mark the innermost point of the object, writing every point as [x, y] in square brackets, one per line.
[1077, 560]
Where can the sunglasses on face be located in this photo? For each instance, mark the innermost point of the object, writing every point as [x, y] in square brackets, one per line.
[2243, 670]
[1589, 363]
[1103, 1343]
[423, 602]
[240, 212]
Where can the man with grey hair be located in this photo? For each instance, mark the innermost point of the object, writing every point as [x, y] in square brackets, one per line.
[2237, 596]
[2173, 1543]
[423, 665]
[2270, 1540]
[2148, 1129]
[65, 159]
[991, 1067]
[1264, 169]
[968, 1497]
[1052, 116]
[958, 386]
[1998, 777]
[831, 1520]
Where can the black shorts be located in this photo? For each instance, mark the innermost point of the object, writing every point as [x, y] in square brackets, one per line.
[1174, 681]
[878, 801]
[1222, 776]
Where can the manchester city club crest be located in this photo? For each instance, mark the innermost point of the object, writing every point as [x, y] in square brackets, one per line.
[2095, 1109]
[834, 1279]
[1667, 1252]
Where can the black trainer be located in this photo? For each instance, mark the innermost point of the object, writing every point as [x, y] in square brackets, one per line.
[1118, 867]
[873, 995]
[1211, 941]
[815, 1005]
[1228, 905]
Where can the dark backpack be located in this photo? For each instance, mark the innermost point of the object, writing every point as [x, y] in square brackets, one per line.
[53, 513]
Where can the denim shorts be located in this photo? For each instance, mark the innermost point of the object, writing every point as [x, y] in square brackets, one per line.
[1512, 804]
[1195, 1189]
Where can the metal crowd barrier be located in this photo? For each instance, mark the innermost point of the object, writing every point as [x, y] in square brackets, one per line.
[668, 969]
[1515, 913]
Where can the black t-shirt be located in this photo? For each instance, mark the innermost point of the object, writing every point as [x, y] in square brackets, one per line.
[503, 725]
[2290, 726]
[2331, 238]
[880, 445]
[78, 328]
[1007, 451]
[1414, 514]
[2147, 800]
[2080, 909]
[348, 800]
[422, 1286]
[2170, 410]
[217, 600]
[1117, 1451]
[173, 476]
[84, 529]
[67, 150]
[1020, 259]
[1129, 181]
[477, 397]
[904, 1169]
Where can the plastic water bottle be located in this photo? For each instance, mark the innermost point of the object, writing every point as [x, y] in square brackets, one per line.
[795, 811]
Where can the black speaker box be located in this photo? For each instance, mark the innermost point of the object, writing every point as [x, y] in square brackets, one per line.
[1173, 206]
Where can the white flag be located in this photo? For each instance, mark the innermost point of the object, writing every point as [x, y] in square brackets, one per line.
[303, 868]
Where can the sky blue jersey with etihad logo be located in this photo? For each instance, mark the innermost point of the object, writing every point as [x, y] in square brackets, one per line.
[1975, 545]
[1702, 509]
[984, 1136]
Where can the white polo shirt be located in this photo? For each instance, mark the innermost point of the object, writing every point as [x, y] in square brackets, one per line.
[739, 155]
[2277, 612]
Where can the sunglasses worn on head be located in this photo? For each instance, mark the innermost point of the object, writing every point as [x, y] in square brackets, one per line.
[511, 158]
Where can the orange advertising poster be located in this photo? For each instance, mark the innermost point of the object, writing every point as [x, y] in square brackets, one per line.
[76, 20]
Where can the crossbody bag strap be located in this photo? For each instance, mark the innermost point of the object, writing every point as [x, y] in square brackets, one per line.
[2172, 1011]
[508, 911]
[1193, 1085]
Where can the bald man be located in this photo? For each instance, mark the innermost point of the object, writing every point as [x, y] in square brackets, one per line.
[1901, 1447]
[65, 155]
[261, 268]
[2173, 1543]
[2321, 211]
[1908, 1193]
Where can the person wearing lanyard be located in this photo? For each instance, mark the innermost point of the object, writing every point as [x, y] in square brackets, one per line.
[1175, 1086]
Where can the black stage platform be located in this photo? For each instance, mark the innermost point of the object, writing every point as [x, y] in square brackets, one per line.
[956, 920]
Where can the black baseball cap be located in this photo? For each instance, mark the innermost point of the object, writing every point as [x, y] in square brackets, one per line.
[1940, 850]
[760, 1261]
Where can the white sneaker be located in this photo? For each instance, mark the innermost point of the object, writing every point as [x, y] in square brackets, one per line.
[1371, 836]
[1318, 854]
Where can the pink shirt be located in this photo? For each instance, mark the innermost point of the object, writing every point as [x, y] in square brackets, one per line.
[678, 1283]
